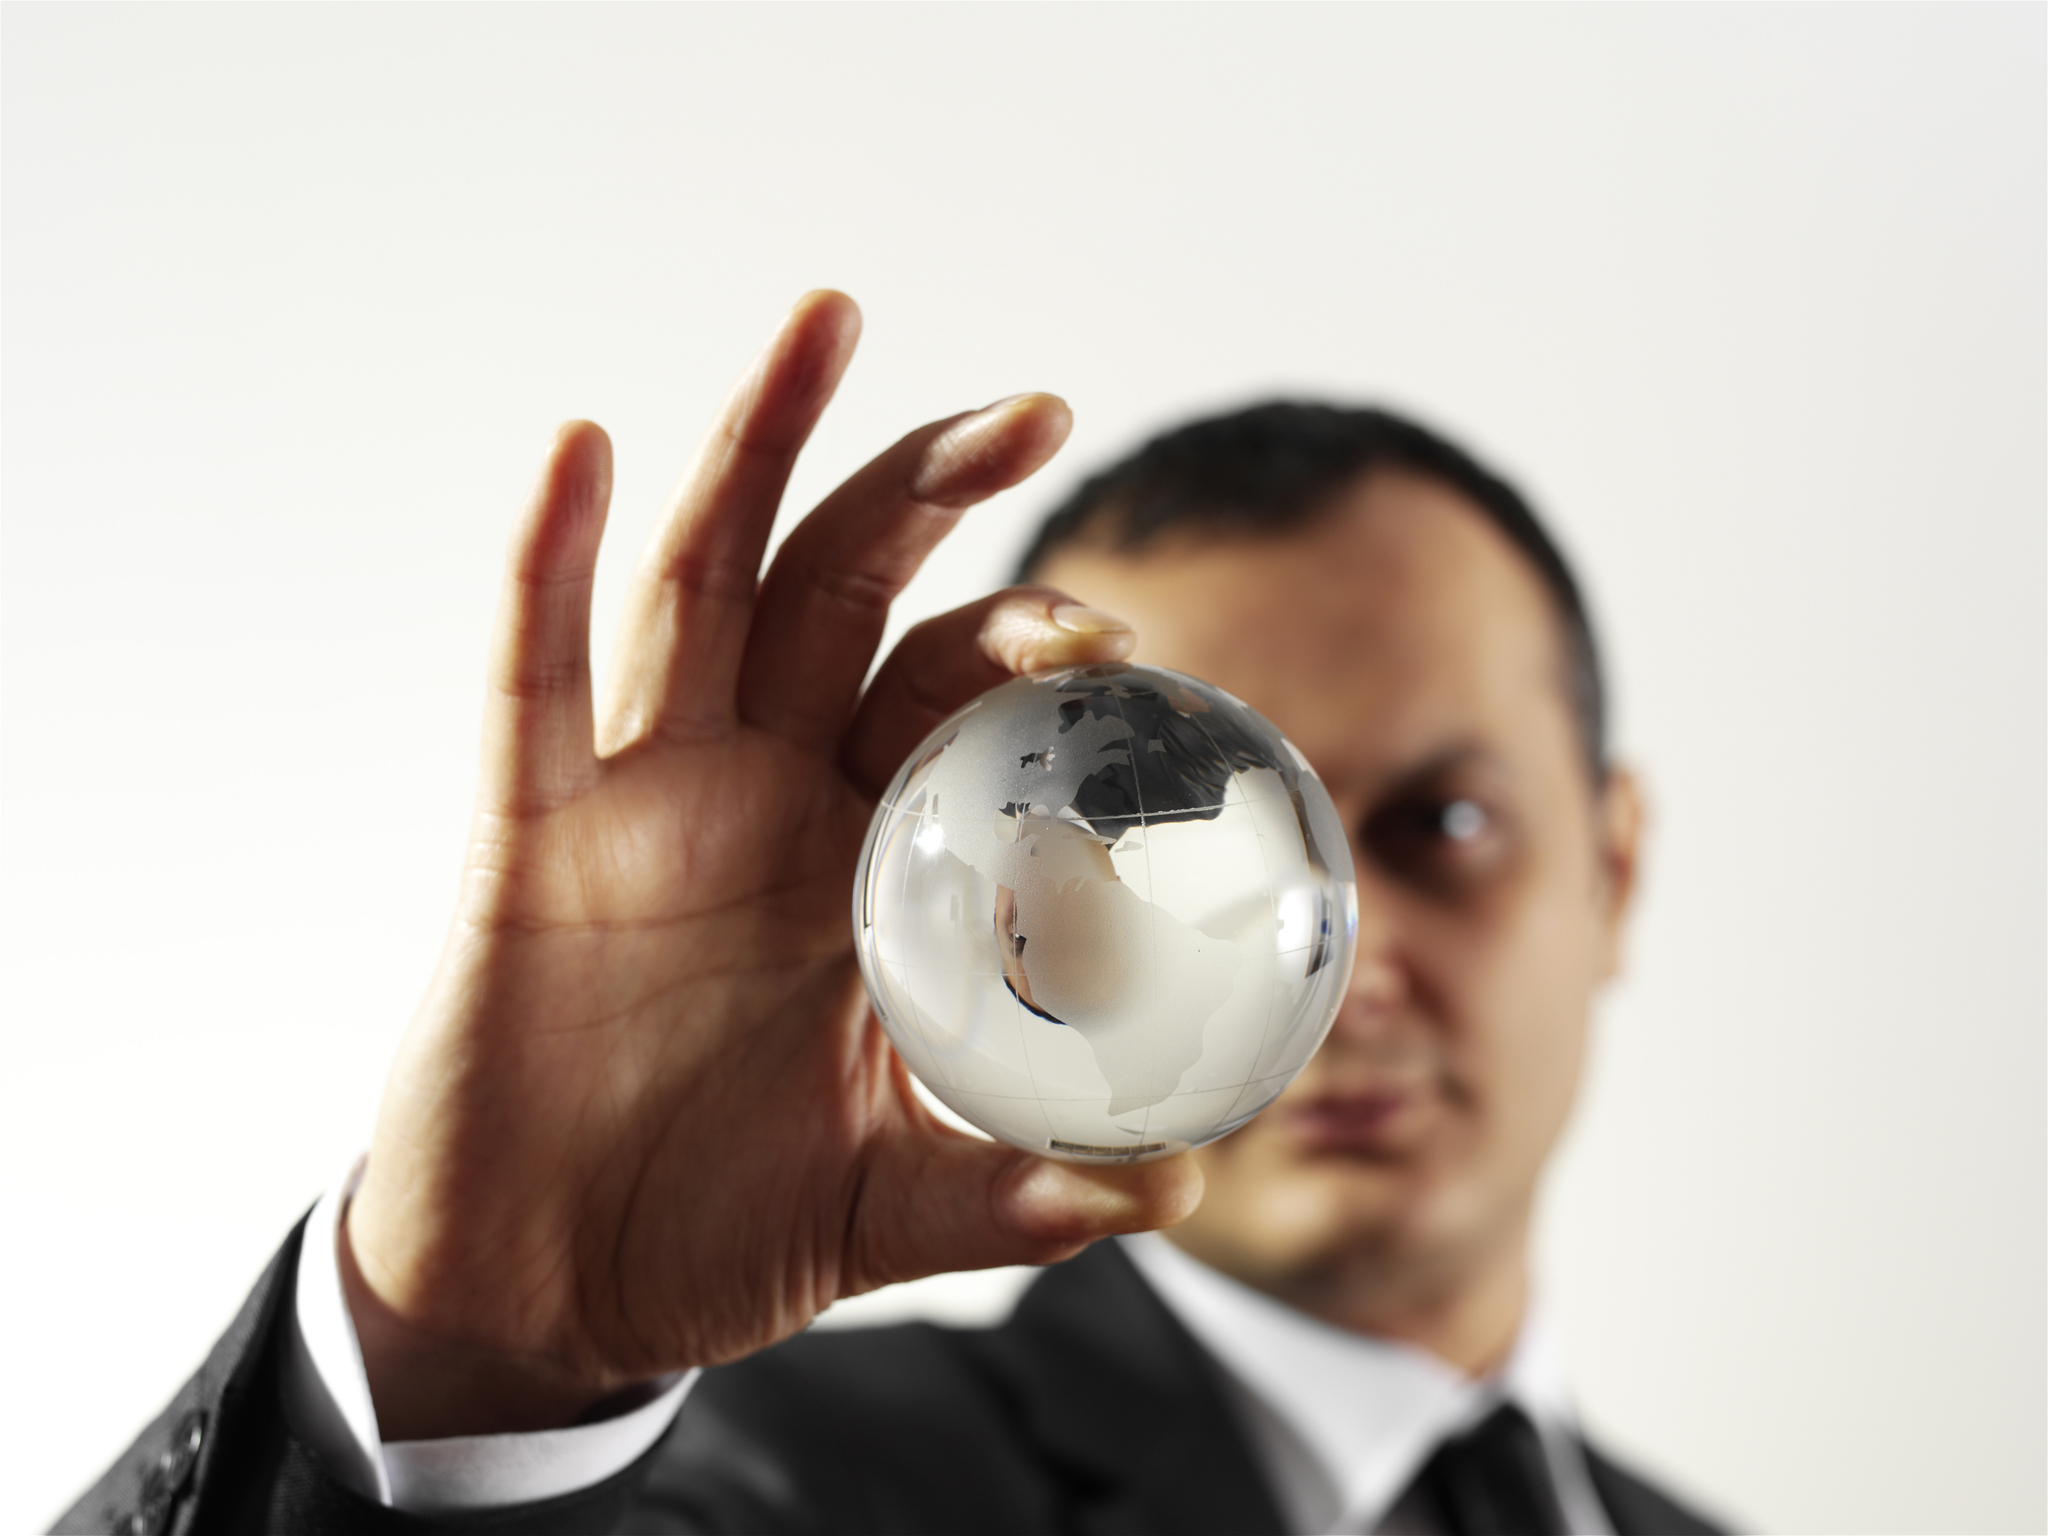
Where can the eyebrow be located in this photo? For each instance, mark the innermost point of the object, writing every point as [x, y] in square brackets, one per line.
[1459, 757]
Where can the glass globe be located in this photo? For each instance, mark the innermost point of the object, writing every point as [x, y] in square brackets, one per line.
[1106, 913]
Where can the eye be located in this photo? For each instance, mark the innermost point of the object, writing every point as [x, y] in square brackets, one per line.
[1442, 842]
[1436, 820]
[1462, 821]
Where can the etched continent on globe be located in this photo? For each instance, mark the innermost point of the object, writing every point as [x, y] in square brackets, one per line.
[1106, 912]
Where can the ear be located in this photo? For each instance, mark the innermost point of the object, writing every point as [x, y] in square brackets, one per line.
[1618, 826]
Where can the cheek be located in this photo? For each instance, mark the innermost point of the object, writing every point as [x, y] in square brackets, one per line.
[1513, 980]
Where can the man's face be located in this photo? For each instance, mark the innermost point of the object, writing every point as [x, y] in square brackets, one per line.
[1414, 656]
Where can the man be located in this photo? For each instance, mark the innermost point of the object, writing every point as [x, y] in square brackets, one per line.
[645, 1123]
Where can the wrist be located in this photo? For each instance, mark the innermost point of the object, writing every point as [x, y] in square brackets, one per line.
[428, 1383]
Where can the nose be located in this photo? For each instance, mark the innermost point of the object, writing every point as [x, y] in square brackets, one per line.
[1379, 988]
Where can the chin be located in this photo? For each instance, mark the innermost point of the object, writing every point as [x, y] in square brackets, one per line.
[1302, 1213]
[1371, 1205]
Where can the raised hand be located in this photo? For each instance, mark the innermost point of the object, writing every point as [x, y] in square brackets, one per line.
[644, 1118]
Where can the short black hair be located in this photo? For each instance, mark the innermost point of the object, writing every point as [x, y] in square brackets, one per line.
[1273, 468]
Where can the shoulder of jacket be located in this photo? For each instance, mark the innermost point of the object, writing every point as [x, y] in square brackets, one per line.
[1639, 1507]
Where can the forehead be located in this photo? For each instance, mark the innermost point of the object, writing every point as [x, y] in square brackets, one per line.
[1400, 625]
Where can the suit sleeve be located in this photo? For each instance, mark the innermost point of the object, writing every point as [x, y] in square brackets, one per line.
[222, 1459]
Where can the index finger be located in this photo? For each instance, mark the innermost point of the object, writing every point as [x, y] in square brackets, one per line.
[825, 600]
[945, 661]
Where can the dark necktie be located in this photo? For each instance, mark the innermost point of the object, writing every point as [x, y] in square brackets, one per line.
[1493, 1481]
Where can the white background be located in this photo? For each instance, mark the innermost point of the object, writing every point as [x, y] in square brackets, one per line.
[1750, 299]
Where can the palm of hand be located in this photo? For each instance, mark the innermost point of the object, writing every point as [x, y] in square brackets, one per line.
[644, 1118]
[693, 888]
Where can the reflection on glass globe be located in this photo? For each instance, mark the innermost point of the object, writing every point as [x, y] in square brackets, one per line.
[1106, 913]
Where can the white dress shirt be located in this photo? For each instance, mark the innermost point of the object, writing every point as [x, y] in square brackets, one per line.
[1339, 1423]
[327, 1397]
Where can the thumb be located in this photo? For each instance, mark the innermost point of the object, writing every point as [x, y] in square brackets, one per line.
[937, 1200]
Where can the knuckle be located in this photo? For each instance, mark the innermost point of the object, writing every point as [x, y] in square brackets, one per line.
[544, 681]
[927, 701]
[864, 592]
[711, 577]
[749, 438]
[537, 573]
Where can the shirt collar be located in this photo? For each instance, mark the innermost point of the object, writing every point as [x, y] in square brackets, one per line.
[1368, 1412]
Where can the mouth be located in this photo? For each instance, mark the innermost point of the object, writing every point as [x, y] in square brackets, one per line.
[1372, 1122]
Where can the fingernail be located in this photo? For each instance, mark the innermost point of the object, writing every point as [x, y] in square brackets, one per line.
[964, 431]
[980, 421]
[962, 444]
[1088, 621]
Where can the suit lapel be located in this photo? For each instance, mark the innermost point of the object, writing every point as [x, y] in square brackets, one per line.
[1639, 1509]
[1129, 1413]
[1127, 1406]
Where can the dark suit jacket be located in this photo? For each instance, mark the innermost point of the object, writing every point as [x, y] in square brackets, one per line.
[1091, 1411]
